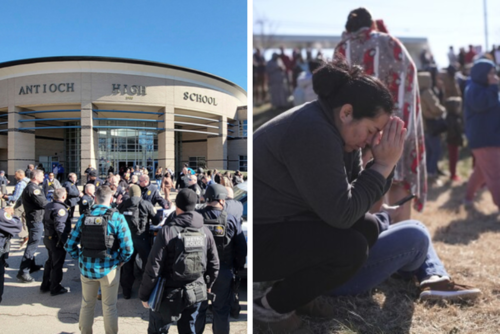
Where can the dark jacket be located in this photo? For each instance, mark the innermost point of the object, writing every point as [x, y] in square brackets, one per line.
[308, 133]
[162, 256]
[86, 203]
[152, 195]
[73, 193]
[97, 182]
[146, 212]
[234, 208]
[56, 222]
[9, 226]
[236, 251]
[34, 202]
[482, 108]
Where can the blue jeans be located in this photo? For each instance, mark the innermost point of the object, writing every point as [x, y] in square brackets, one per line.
[405, 248]
[221, 306]
[35, 236]
[432, 153]
[159, 322]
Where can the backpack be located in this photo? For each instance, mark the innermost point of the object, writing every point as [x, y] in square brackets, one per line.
[95, 239]
[132, 218]
[190, 253]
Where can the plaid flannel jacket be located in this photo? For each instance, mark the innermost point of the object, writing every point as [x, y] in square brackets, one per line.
[93, 268]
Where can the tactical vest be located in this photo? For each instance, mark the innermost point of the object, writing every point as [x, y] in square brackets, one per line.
[133, 221]
[95, 240]
[189, 246]
[218, 227]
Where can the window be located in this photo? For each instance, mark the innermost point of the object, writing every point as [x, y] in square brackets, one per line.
[243, 129]
[195, 162]
[243, 163]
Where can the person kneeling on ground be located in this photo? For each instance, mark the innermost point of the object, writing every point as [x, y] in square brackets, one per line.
[405, 248]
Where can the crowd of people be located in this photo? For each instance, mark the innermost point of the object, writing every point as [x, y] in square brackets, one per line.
[197, 251]
[373, 107]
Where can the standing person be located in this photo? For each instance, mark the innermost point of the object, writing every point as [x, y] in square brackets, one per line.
[87, 171]
[22, 182]
[87, 200]
[237, 178]
[452, 57]
[34, 202]
[433, 113]
[482, 117]
[138, 213]
[73, 193]
[277, 82]
[151, 194]
[10, 225]
[3, 185]
[461, 58]
[60, 172]
[469, 56]
[158, 176]
[100, 264]
[57, 224]
[28, 170]
[94, 179]
[455, 129]
[259, 78]
[55, 170]
[232, 250]
[385, 58]
[352, 109]
[50, 185]
[167, 185]
[200, 276]
[183, 179]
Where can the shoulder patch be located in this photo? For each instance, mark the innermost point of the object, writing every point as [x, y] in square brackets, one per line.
[61, 212]
[97, 184]
[37, 192]
[84, 202]
[149, 192]
[7, 215]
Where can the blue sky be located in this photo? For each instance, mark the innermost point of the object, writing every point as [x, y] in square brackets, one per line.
[209, 36]
[443, 22]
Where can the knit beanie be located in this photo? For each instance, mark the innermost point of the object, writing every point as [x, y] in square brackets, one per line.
[186, 200]
[134, 191]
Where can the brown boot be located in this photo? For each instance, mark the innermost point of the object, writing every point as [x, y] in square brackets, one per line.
[291, 325]
[320, 307]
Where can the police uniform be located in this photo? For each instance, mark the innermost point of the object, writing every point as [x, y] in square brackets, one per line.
[57, 224]
[121, 191]
[152, 195]
[73, 196]
[232, 249]
[34, 202]
[162, 263]
[97, 182]
[138, 213]
[86, 203]
[9, 226]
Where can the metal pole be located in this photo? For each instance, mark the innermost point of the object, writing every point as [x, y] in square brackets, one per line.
[486, 25]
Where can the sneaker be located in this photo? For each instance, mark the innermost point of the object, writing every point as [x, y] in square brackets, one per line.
[447, 289]
[61, 290]
[320, 307]
[25, 278]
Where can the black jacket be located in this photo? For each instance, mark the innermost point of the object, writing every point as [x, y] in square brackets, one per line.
[236, 251]
[56, 221]
[9, 226]
[152, 195]
[146, 212]
[34, 202]
[234, 208]
[73, 193]
[97, 182]
[161, 257]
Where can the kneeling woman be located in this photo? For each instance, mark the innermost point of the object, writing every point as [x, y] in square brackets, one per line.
[311, 196]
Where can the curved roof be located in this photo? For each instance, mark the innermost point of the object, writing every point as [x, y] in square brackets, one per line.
[116, 60]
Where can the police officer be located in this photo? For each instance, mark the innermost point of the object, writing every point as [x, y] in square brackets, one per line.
[34, 202]
[73, 193]
[94, 179]
[166, 253]
[151, 194]
[87, 200]
[9, 226]
[57, 224]
[121, 194]
[138, 213]
[232, 250]
[49, 185]
[193, 185]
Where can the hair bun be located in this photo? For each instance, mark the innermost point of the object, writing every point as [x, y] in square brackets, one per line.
[329, 79]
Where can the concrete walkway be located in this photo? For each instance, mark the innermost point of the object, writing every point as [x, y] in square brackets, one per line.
[26, 310]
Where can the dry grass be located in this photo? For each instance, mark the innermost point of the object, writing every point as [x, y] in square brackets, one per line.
[467, 241]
